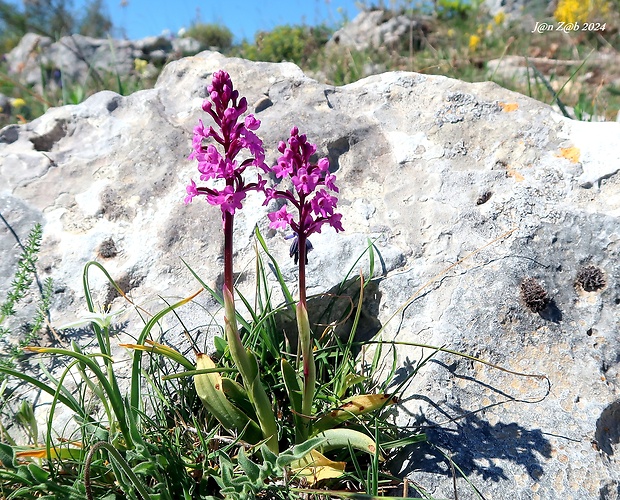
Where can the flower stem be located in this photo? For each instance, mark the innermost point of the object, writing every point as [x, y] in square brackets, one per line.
[308, 368]
[247, 365]
[305, 336]
[228, 251]
[301, 241]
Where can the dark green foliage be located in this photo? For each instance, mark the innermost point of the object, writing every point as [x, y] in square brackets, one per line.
[50, 17]
[259, 477]
[296, 44]
[211, 35]
[25, 273]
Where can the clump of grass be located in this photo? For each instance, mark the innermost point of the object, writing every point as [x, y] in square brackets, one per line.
[211, 35]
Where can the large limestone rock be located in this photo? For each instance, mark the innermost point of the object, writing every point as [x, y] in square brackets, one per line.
[431, 169]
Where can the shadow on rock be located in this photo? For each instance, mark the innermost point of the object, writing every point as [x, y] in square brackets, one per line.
[608, 428]
[552, 313]
[475, 447]
[338, 308]
[473, 444]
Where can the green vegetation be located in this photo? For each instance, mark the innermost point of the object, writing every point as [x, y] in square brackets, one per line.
[211, 35]
[298, 44]
[53, 18]
[156, 441]
[12, 342]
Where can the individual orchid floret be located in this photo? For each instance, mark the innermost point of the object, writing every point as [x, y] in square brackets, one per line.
[230, 137]
[229, 199]
[280, 219]
[323, 203]
[294, 248]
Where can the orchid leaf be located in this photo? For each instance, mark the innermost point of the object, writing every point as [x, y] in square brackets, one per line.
[210, 391]
[353, 406]
[315, 467]
[341, 438]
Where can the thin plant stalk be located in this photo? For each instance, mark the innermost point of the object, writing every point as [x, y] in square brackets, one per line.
[302, 267]
[308, 366]
[228, 251]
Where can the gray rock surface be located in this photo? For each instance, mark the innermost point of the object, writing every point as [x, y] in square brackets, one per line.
[77, 57]
[380, 28]
[431, 169]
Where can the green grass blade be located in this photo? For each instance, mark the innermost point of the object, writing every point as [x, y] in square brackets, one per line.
[115, 456]
[285, 291]
[192, 373]
[291, 383]
[218, 297]
[114, 396]
[371, 260]
[69, 402]
[135, 390]
[104, 345]
[162, 350]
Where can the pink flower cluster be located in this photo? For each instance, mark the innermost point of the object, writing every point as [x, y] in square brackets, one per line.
[225, 107]
[312, 183]
[315, 207]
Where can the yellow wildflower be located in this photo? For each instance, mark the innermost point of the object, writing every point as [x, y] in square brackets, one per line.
[474, 41]
[450, 33]
[499, 18]
[574, 11]
[18, 103]
[139, 65]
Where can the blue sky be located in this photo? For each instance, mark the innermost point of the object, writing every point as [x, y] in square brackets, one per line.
[140, 18]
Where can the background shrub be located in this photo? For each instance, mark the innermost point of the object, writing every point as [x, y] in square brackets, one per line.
[211, 35]
[287, 43]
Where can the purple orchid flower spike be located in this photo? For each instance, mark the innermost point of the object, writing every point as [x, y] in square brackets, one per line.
[233, 136]
[311, 197]
[315, 206]
[217, 161]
